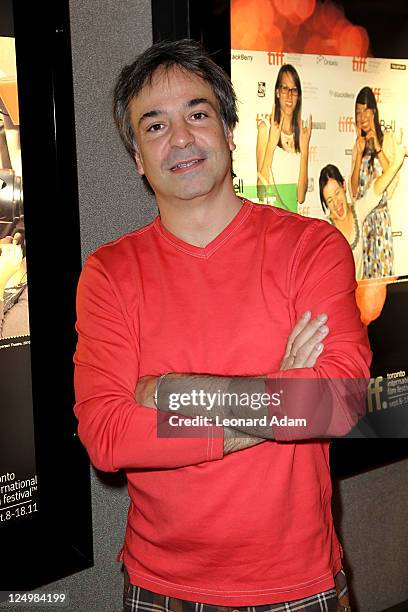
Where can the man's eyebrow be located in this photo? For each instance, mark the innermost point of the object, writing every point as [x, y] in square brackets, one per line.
[197, 101]
[190, 104]
[149, 114]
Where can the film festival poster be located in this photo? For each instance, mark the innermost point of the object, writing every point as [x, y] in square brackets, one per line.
[333, 72]
[18, 478]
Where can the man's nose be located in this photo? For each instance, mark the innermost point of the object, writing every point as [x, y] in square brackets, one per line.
[181, 134]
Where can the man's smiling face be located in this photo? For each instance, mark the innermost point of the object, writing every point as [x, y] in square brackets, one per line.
[183, 148]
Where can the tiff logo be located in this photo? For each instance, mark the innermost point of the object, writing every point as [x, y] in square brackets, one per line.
[346, 124]
[359, 64]
[275, 58]
[374, 394]
[377, 94]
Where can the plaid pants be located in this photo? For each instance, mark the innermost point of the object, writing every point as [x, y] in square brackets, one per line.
[136, 599]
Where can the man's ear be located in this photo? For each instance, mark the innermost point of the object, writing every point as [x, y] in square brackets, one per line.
[230, 139]
[139, 163]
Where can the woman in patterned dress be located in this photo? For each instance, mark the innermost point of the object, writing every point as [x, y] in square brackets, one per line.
[349, 217]
[372, 155]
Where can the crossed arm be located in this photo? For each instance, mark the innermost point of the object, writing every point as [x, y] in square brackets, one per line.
[120, 432]
[303, 347]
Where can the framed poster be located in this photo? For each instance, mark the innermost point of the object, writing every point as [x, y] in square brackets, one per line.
[45, 511]
[332, 85]
[337, 49]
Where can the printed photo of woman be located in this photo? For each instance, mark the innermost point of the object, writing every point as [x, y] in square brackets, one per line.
[373, 153]
[349, 217]
[282, 148]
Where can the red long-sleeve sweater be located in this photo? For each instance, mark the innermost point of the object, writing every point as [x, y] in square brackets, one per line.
[253, 527]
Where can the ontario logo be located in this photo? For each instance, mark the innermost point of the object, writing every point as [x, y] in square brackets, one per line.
[321, 59]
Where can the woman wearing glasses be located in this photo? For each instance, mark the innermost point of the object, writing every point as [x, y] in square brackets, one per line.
[282, 149]
[372, 154]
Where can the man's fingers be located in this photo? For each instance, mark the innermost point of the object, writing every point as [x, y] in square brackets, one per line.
[311, 360]
[308, 333]
[287, 363]
[303, 345]
[308, 347]
[300, 325]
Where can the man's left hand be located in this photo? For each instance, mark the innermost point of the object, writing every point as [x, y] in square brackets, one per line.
[305, 342]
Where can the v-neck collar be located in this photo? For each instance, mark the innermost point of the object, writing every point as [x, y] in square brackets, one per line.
[216, 243]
